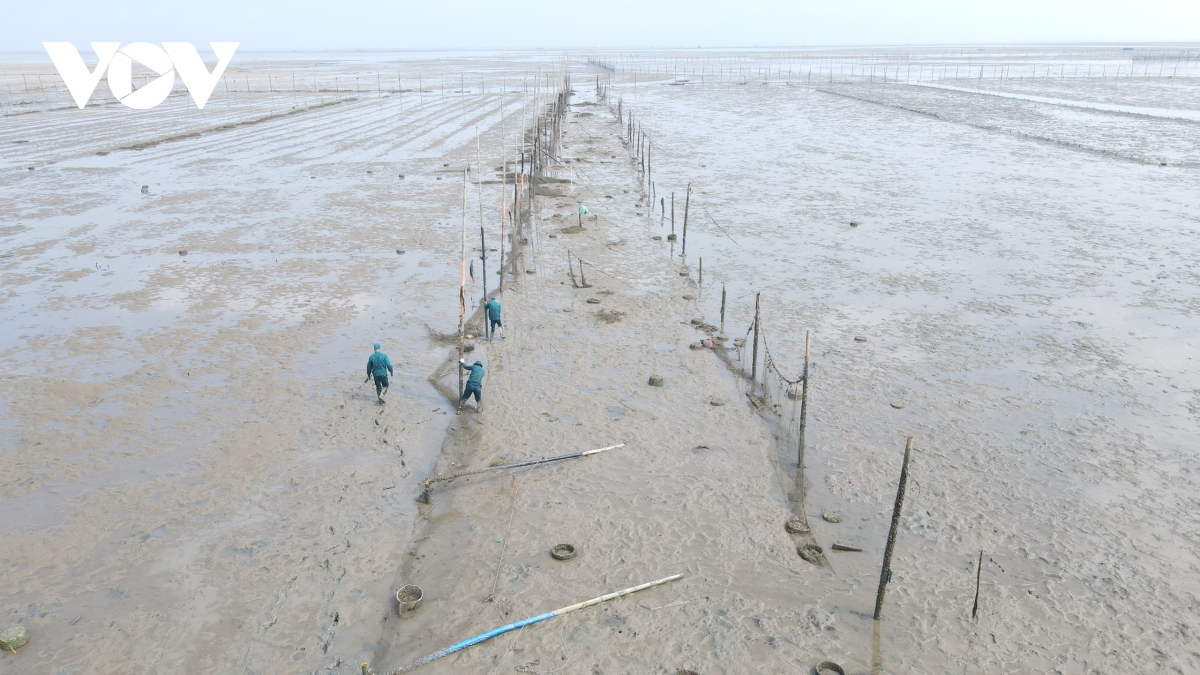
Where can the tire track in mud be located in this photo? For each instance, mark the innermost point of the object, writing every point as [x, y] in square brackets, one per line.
[1071, 145]
[142, 145]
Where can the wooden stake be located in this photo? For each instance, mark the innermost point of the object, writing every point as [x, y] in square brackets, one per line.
[799, 493]
[649, 138]
[571, 269]
[722, 309]
[700, 282]
[885, 573]
[754, 358]
[978, 572]
[672, 212]
[687, 201]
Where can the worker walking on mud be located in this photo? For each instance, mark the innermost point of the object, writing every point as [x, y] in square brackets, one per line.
[474, 386]
[493, 312]
[379, 366]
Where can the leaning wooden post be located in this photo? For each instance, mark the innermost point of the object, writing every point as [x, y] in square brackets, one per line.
[799, 504]
[700, 281]
[687, 201]
[672, 212]
[571, 269]
[885, 574]
[754, 357]
[978, 574]
[722, 309]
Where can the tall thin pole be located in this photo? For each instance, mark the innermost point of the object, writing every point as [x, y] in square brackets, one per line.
[649, 138]
[754, 358]
[885, 573]
[462, 286]
[482, 242]
[722, 309]
[503, 180]
[799, 503]
[686, 203]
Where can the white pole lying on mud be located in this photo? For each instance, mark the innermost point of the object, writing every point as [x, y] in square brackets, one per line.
[525, 622]
[428, 491]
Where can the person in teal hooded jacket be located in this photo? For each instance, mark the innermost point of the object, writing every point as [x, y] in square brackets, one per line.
[493, 310]
[474, 385]
[379, 366]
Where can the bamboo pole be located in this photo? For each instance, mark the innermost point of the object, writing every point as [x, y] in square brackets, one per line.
[885, 573]
[649, 181]
[686, 203]
[722, 309]
[754, 357]
[799, 492]
[482, 241]
[517, 465]
[531, 620]
[462, 287]
[503, 181]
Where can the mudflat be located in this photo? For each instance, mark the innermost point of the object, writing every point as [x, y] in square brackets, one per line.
[198, 480]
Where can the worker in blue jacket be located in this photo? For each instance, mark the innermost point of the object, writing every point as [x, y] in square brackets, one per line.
[379, 366]
[474, 385]
[493, 310]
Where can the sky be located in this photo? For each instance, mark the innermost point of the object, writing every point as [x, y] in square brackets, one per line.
[286, 25]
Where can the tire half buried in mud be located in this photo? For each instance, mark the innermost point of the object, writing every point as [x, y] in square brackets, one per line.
[796, 525]
[811, 552]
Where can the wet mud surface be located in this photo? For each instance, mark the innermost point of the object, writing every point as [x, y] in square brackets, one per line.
[198, 480]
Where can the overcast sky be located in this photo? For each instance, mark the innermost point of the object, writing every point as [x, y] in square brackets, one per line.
[571, 24]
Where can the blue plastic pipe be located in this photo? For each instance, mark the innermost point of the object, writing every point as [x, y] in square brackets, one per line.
[531, 620]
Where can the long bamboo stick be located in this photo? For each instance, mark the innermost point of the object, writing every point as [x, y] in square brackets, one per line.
[503, 181]
[531, 620]
[515, 465]
[462, 287]
[482, 240]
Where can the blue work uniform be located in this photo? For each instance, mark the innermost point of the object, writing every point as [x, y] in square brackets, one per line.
[493, 310]
[379, 366]
[474, 384]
